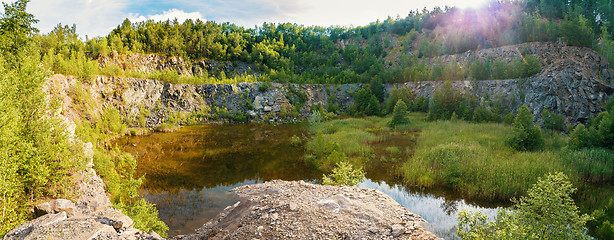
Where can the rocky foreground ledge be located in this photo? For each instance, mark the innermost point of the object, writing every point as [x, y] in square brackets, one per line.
[299, 210]
[273, 210]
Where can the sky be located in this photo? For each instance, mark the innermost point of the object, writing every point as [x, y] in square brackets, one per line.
[98, 17]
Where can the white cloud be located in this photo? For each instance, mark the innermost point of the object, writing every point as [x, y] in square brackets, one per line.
[171, 14]
[92, 17]
[99, 17]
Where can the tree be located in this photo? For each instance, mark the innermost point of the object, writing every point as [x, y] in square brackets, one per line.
[373, 108]
[445, 101]
[552, 121]
[344, 174]
[580, 137]
[16, 31]
[399, 114]
[546, 212]
[525, 135]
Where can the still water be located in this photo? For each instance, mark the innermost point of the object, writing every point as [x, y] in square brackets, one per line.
[189, 173]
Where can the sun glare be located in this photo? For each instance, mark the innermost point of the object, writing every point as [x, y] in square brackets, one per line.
[466, 4]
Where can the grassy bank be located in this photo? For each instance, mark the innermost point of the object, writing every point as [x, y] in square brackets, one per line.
[469, 158]
[473, 159]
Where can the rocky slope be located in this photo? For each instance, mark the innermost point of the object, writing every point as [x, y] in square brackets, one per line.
[300, 210]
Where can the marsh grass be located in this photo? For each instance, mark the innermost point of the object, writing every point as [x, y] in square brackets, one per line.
[473, 159]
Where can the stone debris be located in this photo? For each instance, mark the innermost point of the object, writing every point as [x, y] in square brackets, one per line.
[299, 210]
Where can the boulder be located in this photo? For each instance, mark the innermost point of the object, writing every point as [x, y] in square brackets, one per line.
[56, 206]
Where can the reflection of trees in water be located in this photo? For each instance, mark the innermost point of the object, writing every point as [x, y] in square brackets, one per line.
[218, 155]
[450, 207]
[185, 210]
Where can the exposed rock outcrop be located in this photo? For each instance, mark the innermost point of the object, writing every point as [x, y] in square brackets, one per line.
[299, 210]
[150, 63]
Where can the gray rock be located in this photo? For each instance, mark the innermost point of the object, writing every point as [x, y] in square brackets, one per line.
[25, 229]
[397, 230]
[56, 206]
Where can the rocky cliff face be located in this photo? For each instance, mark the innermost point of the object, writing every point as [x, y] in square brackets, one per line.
[574, 82]
[150, 63]
[250, 101]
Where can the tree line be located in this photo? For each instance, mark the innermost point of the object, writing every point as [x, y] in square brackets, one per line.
[288, 52]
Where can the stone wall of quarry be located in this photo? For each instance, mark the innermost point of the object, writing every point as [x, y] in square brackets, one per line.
[574, 82]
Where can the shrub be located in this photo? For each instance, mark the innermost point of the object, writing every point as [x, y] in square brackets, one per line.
[525, 135]
[265, 86]
[446, 100]
[399, 115]
[552, 121]
[344, 174]
[421, 104]
[546, 212]
[295, 141]
[580, 137]
[601, 225]
[397, 94]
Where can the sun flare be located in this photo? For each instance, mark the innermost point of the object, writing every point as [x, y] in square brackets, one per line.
[467, 4]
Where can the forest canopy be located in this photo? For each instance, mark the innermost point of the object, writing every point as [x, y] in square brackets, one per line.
[312, 54]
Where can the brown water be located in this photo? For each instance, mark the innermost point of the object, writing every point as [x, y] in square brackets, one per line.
[189, 172]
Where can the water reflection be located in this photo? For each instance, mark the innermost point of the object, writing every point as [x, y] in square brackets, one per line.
[189, 172]
[439, 212]
[185, 210]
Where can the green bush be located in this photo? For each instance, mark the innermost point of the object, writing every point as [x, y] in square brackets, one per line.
[295, 141]
[525, 135]
[445, 101]
[546, 212]
[36, 156]
[601, 225]
[421, 104]
[552, 121]
[265, 86]
[344, 174]
[580, 137]
[399, 115]
[599, 134]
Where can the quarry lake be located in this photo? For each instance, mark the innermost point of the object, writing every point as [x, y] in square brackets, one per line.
[189, 173]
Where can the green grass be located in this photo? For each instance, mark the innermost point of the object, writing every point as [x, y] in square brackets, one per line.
[351, 136]
[473, 159]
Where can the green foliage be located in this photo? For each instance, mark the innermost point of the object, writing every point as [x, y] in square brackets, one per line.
[601, 225]
[399, 115]
[546, 212]
[421, 104]
[552, 121]
[344, 174]
[445, 101]
[594, 165]
[295, 141]
[580, 138]
[599, 134]
[36, 156]
[397, 94]
[577, 30]
[145, 216]
[264, 86]
[525, 136]
[474, 159]
[606, 47]
[366, 103]
[117, 170]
